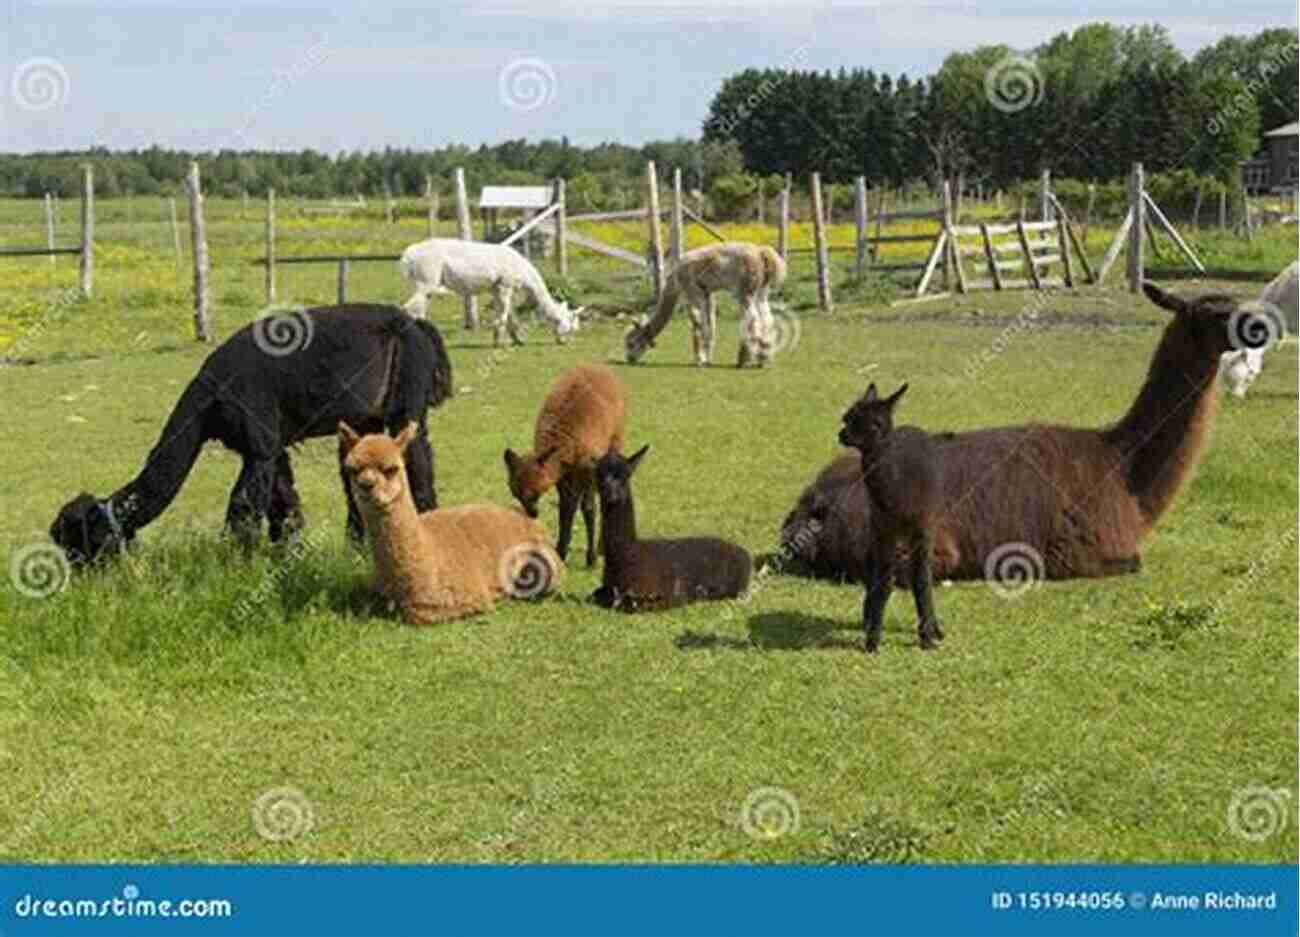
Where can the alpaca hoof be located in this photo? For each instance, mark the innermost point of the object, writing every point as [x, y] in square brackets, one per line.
[872, 647]
[936, 630]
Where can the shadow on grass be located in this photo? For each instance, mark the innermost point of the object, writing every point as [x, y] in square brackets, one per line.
[777, 631]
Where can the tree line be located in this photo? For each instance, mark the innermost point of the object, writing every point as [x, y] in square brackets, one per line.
[1085, 104]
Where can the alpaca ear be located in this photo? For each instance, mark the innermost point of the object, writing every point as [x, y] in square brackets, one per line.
[348, 437]
[1162, 299]
[511, 459]
[871, 396]
[636, 457]
[893, 398]
[403, 439]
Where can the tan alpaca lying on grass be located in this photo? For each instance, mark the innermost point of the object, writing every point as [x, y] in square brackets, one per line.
[445, 563]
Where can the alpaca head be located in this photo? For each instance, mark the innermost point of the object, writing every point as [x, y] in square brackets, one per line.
[374, 466]
[800, 533]
[1216, 323]
[530, 476]
[86, 530]
[870, 419]
[614, 475]
[568, 320]
[635, 342]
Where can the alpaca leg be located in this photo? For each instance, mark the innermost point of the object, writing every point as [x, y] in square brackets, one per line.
[879, 580]
[711, 303]
[569, 498]
[419, 471]
[588, 505]
[356, 525]
[250, 500]
[927, 623]
[766, 326]
[284, 516]
[698, 306]
[502, 314]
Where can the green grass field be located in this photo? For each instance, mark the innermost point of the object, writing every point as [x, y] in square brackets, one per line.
[142, 716]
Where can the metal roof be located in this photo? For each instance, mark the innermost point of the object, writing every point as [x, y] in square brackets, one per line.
[515, 196]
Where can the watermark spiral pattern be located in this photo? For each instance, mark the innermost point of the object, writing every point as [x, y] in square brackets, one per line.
[282, 814]
[1256, 324]
[1012, 569]
[40, 84]
[769, 813]
[1013, 84]
[526, 571]
[1257, 812]
[527, 84]
[786, 331]
[39, 570]
[282, 332]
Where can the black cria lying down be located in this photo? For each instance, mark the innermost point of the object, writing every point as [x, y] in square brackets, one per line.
[645, 575]
[902, 473]
[276, 382]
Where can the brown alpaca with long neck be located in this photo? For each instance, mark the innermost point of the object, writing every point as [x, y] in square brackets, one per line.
[1083, 499]
[445, 563]
[903, 476]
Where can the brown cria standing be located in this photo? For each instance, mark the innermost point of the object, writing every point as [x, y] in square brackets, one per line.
[902, 474]
[1082, 499]
[583, 417]
[644, 575]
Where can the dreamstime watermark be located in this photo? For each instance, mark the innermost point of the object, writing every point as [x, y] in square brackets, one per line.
[281, 331]
[786, 331]
[310, 59]
[296, 552]
[129, 904]
[1258, 813]
[39, 570]
[1013, 84]
[64, 301]
[282, 814]
[527, 84]
[727, 122]
[769, 813]
[40, 84]
[1256, 324]
[1027, 320]
[1278, 58]
[526, 570]
[1263, 560]
[1013, 569]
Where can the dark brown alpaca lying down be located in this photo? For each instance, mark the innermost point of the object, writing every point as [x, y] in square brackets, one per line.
[1082, 498]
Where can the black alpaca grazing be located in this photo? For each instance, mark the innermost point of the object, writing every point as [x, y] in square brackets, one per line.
[902, 475]
[370, 366]
[644, 575]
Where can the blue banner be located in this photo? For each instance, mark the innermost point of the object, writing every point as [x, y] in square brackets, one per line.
[649, 900]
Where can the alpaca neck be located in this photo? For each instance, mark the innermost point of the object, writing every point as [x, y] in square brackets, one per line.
[618, 529]
[1164, 431]
[142, 499]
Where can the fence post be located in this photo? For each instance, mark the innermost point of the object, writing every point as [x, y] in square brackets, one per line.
[49, 225]
[561, 230]
[1245, 215]
[783, 223]
[860, 219]
[466, 234]
[343, 280]
[270, 245]
[950, 247]
[1196, 210]
[87, 230]
[656, 236]
[432, 198]
[1087, 213]
[176, 231]
[819, 236]
[678, 234]
[1137, 233]
[1044, 193]
[759, 208]
[1223, 209]
[199, 238]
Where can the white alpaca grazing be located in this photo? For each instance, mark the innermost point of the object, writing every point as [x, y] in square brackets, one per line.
[750, 271]
[1238, 369]
[448, 265]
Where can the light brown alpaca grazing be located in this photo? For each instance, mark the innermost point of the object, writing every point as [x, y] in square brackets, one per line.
[446, 563]
[583, 417]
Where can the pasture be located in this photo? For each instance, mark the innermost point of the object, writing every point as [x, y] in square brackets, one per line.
[147, 707]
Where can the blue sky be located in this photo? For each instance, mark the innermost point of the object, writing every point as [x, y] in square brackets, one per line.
[293, 74]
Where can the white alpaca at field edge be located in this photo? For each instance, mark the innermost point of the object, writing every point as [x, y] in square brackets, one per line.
[449, 265]
[1238, 369]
